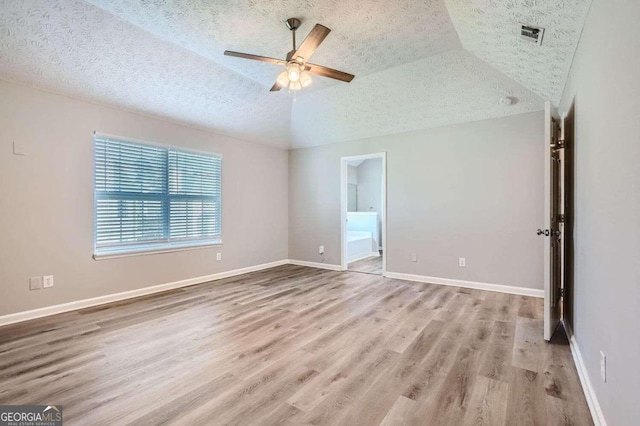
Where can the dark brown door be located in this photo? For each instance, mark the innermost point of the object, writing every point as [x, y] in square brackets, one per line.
[552, 232]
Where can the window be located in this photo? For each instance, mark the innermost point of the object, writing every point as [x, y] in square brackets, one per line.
[152, 197]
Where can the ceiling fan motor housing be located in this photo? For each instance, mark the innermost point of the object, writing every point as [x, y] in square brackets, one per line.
[293, 23]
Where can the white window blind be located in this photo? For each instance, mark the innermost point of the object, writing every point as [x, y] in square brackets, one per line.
[151, 197]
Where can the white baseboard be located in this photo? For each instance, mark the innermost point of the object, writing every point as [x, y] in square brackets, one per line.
[328, 266]
[522, 291]
[364, 256]
[87, 303]
[585, 381]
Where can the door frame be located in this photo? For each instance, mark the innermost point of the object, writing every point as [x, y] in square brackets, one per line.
[344, 206]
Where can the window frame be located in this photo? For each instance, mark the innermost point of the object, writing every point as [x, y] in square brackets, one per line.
[156, 246]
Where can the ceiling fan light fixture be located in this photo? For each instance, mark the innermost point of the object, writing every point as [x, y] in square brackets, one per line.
[283, 79]
[305, 79]
[294, 70]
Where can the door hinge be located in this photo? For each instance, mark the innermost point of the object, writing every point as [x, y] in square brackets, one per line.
[559, 144]
[562, 292]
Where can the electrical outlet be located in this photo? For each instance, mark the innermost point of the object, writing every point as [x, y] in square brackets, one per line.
[414, 257]
[47, 281]
[603, 366]
[462, 262]
[321, 250]
[35, 283]
[218, 256]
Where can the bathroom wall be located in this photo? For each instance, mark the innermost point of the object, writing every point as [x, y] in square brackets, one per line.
[352, 188]
[370, 190]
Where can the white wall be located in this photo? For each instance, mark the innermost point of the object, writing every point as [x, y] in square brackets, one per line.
[370, 191]
[46, 202]
[352, 188]
[605, 85]
[473, 190]
[352, 175]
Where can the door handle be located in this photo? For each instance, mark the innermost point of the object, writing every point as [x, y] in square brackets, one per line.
[547, 232]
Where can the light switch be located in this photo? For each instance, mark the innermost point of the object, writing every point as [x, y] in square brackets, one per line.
[18, 148]
[35, 283]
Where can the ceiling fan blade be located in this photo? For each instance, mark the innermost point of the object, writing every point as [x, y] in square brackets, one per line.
[255, 57]
[276, 87]
[329, 72]
[311, 42]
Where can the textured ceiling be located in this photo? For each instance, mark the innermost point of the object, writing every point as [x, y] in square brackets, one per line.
[72, 47]
[367, 36]
[490, 30]
[418, 63]
[449, 88]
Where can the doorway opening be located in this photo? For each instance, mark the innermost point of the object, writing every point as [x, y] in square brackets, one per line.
[363, 212]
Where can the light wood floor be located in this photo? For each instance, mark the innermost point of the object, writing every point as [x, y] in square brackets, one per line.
[370, 265]
[295, 345]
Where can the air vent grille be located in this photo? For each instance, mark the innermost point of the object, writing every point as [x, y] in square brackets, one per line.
[531, 33]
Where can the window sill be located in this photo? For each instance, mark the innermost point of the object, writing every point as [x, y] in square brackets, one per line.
[148, 250]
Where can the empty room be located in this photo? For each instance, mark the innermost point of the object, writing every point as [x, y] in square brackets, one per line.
[252, 212]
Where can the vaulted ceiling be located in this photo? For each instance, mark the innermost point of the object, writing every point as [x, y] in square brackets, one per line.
[418, 63]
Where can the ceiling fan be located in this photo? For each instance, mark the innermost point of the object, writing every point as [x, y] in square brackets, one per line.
[296, 75]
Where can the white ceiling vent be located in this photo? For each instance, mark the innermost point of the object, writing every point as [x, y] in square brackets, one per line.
[531, 33]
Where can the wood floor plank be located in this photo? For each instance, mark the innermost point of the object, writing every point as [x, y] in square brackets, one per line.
[565, 403]
[528, 345]
[526, 405]
[454, 396]
[294, 345]
[284, 414]
[377, 401]
[370, 265]
[334, 375]
[338, 403]
[398, 414]
[488, 403]
[497, 361]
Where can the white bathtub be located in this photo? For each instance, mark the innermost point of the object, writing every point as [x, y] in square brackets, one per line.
[360, 245]
[365, 221]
